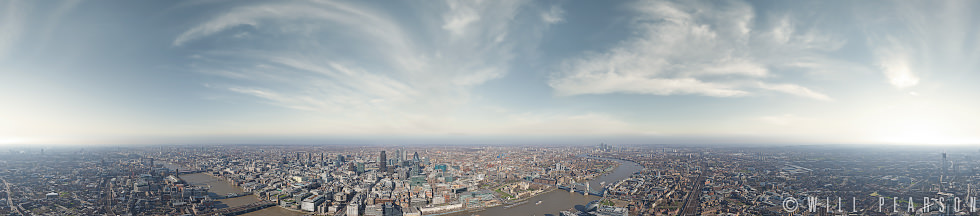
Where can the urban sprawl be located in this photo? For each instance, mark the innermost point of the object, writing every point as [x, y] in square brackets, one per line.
[601, 179]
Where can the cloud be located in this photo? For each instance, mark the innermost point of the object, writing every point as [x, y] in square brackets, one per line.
[353, 64]
[252, 15]
[612, 83]
[696, 48]
[459, 16]
[553, 15]
[795, 90]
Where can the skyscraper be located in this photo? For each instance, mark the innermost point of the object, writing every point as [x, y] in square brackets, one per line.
[416, 168]
[383, 162]
[942, 176]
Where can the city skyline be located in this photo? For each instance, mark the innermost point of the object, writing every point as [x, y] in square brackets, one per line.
[488, 72]
[599, 180]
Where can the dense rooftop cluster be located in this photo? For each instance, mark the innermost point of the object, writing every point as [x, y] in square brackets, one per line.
[462, 180]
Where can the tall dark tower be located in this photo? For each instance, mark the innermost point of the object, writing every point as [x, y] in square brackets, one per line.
[383, 162]
[942, 176]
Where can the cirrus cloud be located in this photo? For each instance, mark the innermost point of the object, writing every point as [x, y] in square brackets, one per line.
[696, 48]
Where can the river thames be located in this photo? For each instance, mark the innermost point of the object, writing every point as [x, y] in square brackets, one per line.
[552, 202]
[560, 200]
[220, 188]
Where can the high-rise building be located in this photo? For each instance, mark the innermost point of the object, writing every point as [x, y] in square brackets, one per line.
[416, 168]
[383, 162]
[942, 176]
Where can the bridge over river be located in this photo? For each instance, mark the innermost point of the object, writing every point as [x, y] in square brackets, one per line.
[562, 200]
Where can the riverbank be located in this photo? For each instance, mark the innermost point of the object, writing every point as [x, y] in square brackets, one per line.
[535, 199]
[247, 199]
[555, 201]
[276, 210]
[511, 204]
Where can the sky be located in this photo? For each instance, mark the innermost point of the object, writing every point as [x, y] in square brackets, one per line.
[507, 71]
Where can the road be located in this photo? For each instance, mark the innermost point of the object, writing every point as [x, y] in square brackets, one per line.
[693, 201]
[9, 200]
[107, 195]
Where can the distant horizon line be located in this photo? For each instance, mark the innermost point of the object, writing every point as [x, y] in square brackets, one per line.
[939, 147]
[467, 140]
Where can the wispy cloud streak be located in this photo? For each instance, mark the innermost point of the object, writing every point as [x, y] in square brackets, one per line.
[694, 48]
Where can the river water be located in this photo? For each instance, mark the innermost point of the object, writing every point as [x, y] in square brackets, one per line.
[561, 200]
[551, 202]
[218, 187]
[275, 210]
[221, 188]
